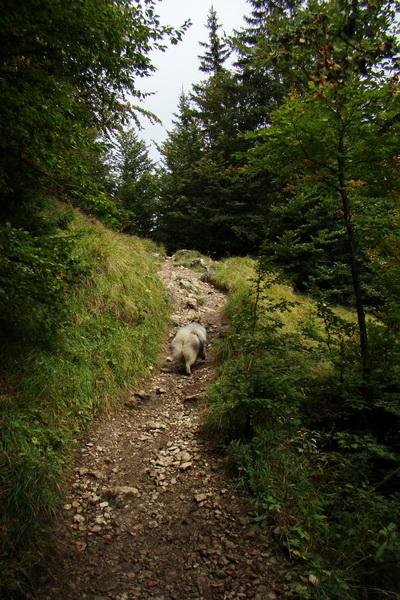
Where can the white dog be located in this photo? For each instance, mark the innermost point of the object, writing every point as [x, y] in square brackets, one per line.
[188, 344]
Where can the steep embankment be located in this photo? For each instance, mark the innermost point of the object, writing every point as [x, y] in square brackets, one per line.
[62, 363]
[150, 512]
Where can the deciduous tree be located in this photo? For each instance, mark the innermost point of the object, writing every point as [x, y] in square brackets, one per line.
[336, 132]
[66, 69]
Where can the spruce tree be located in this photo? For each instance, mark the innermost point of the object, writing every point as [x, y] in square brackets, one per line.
[217, 50]
[206, 196]
[135, 182]
[178, 223]
[262, 86]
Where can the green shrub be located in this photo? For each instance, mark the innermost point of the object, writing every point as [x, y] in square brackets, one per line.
[319, 458]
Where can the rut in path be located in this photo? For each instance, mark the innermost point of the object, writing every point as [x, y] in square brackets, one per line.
[151, 513]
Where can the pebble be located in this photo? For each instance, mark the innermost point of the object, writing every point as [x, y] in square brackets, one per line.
[184, 456]
[79, 518]
[185, 466]
[200, 498]
[154, 425]
[124, 490]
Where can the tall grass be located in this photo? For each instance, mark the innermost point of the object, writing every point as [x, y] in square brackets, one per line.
[57, 375]
[321, 465]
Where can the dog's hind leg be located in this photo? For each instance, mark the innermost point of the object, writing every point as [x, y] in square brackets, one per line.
[202, 352]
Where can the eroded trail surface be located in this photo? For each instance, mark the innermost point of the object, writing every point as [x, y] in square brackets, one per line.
[150, 513]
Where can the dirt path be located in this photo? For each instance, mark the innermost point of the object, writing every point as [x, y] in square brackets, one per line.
[150, 512]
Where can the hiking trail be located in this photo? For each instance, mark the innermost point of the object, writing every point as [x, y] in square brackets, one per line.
[150, 512]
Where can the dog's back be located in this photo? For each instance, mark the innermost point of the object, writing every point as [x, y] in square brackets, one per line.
[189, 343]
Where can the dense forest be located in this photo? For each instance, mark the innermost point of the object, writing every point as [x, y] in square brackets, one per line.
[288, 151]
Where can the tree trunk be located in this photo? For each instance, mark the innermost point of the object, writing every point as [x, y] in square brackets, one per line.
[355, 274]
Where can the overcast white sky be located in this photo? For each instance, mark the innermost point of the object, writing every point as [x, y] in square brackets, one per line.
[178, 65]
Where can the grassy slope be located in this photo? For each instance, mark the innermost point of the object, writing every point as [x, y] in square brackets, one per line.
[54, 382]
[310, 486]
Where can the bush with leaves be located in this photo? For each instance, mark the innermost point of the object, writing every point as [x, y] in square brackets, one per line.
[320, 460]
[66, 70]
[36, 271]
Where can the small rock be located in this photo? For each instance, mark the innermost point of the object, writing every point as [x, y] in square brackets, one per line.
[185, 466]
[96, 474]
[154, 425]
[192, 303]
[79, 518]
[184, 456]
[164, 461]
[132, 403]
[124, 490]
[200, 498]
[100, 521]
[191, 399]
[186, 284]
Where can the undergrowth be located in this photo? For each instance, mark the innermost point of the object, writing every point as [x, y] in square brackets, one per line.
[320, 460]
[60, 369]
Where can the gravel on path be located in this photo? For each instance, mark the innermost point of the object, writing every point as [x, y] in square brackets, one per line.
[150, 512]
